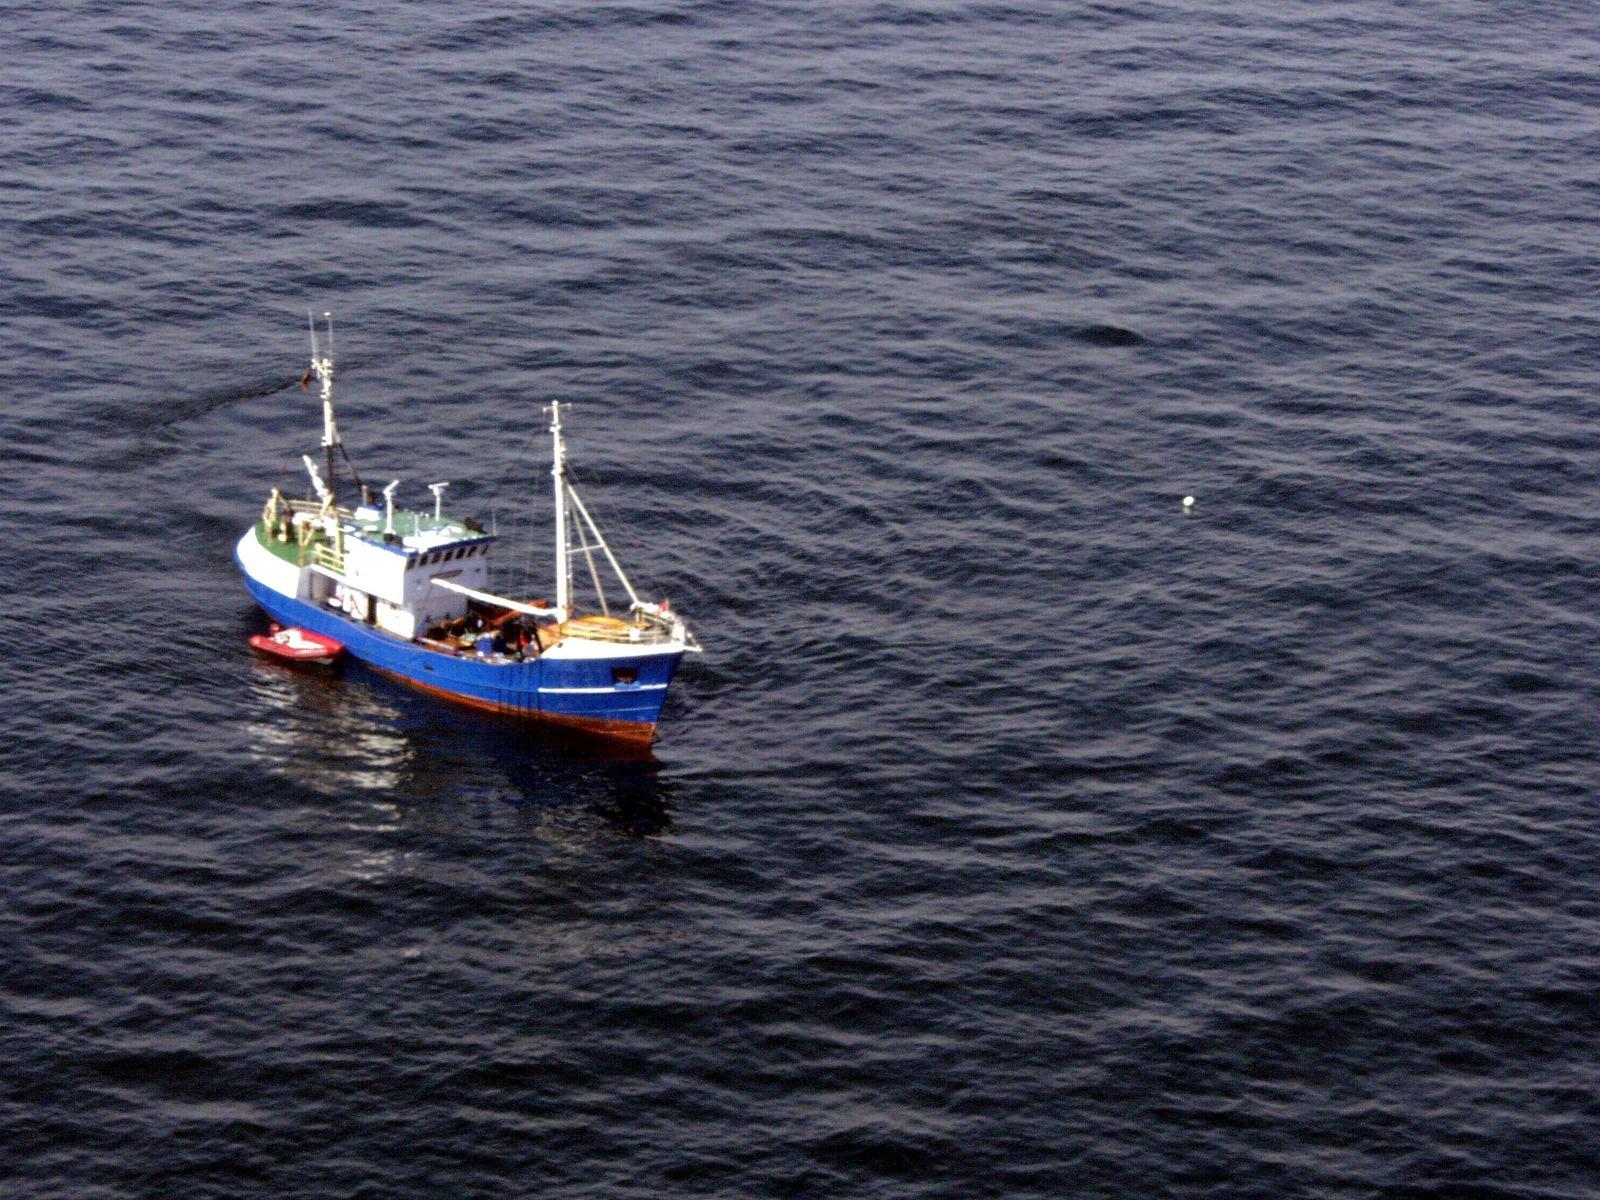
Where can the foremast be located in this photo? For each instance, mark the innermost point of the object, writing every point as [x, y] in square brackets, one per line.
[558, 475]
[590, 539]
[589, 536]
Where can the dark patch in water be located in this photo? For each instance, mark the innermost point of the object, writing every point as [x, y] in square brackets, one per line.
[1107, 335]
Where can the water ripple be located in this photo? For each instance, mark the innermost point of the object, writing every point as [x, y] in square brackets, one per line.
[1019, 833]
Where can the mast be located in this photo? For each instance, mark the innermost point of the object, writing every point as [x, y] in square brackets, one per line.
[558, 473]
[322, 367]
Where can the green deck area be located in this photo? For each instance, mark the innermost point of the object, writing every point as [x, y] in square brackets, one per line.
[288, 551]
[410, 524]
[406, 524]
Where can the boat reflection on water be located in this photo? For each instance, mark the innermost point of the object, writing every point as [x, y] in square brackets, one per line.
[359, 732]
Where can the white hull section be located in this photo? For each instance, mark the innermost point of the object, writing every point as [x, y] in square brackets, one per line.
[267, 569]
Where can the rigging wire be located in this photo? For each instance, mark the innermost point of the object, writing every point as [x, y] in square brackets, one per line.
[602, 515]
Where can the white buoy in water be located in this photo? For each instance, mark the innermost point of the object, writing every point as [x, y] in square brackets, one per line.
[1188, 503]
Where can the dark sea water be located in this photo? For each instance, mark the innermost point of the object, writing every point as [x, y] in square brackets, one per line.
[1018, 835]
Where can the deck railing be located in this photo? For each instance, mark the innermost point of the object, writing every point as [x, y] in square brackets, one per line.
[313, 507]
[324, 555]
[611, 629]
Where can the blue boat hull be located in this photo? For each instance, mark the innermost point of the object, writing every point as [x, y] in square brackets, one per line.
[580, 693]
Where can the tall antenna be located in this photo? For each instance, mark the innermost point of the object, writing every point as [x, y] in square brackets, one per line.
[322, 368]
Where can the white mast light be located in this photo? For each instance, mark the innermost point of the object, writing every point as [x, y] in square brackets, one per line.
[438, 499]
[388, 504]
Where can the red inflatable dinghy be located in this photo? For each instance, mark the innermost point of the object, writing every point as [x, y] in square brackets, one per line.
[297, 645]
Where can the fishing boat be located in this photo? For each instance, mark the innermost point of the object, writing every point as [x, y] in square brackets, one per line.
[408, 593]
